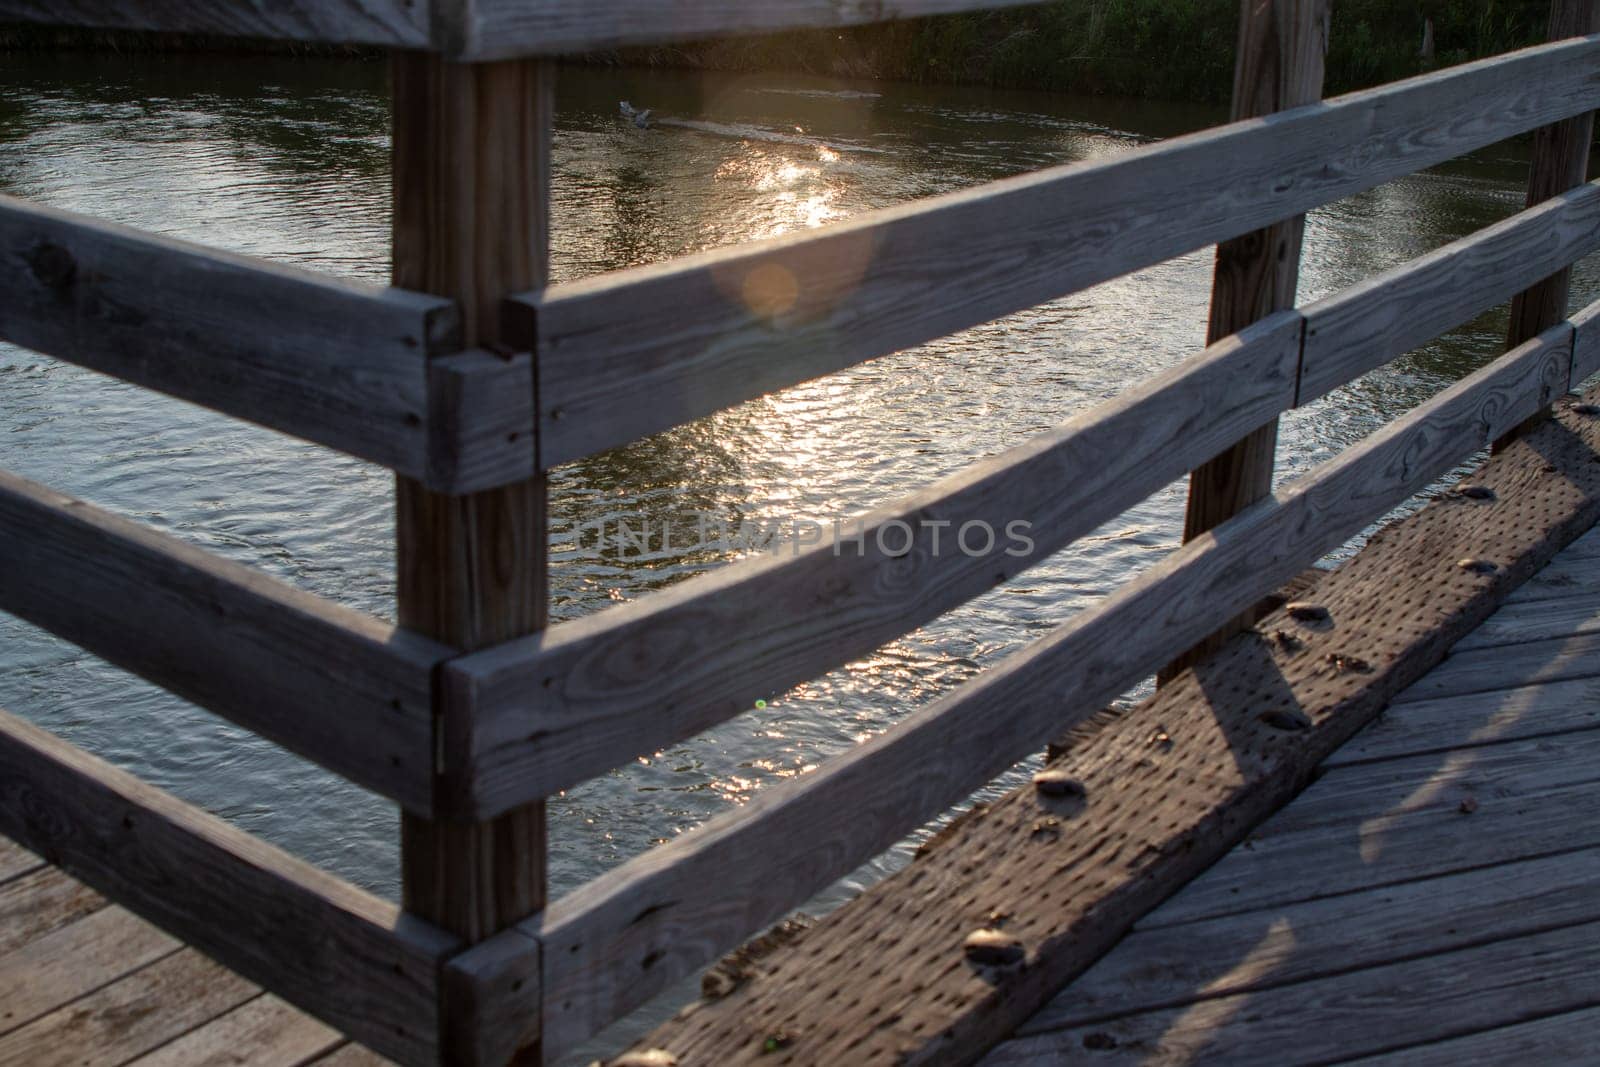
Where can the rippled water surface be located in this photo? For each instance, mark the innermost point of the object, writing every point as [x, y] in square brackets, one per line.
[289, 161]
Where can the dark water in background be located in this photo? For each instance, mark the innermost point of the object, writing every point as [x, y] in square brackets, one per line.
[288, 160]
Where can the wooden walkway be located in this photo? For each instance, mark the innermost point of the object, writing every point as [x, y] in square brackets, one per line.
[1430, 899]
[1434, 898]
[85, 982]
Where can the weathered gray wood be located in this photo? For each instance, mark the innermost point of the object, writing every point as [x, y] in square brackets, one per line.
[553, 710]
[500, 29]
[397, 23]
[336, 686]
[1489, 669]
[1402, 820]
[266, 1032]
[1586, 348]
[481, 407]
[890, 279]
[16, 861]
[1564, 1038]
[1568, 576]
[1420, 726]
[1368, 1011]
[1277, 65]
[1517, 624]
[139, 1012]
[1198, 961]
[350, 1056]
[340, 364]
[1368, 324]
[630, 933]
[332, 950]
[75, 960]
[38, 903]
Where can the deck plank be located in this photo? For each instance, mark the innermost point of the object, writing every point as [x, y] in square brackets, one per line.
[1363, 1012]
[1565, 1038]
[1485, 670]
[137, 1013]
[264, 1032]
[37, 903]
[75, 960]
[1543, 620]
[1171, 965]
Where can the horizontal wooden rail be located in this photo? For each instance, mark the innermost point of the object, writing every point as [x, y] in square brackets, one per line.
[638, 351]
[632, 932]
[1586, 345]
[1368, 324]
[338, 687]
[398, 23]
[344, 956]
[340, 364]
[552, 710]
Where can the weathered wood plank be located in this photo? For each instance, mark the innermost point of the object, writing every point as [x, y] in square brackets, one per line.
[336, 686]
[1568, 576]
[1477, 719]
[265, 1032]
[562, 707]
[1404, 821]
[141, 1011]
[1199, 961]
[1489, 669]
[41, 902]
[1368, 324]
[1547, 620]
[628, 934]
[1564, 1038]
[890, 279]
[1586, 347]
[500, 29]
[482, 415]
[75, 960]
[1168, 789]
[1368, 1011]
[1278, 65]
[397, 23]
[340, 364]
[16, 861]
[334, 951]
[350, 1056]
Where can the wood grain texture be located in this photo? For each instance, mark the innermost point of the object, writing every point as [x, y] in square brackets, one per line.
[884, 975]
[1534, 797]
[1560, 162]
[73, 961]
[887, 280]
[1491, 669]
[1514, 714]
[1586, 347]
[265, 1032]
[139, 1012]
[1517, 624]
[1200, 961]
[630, 933]
[1380, 1009]
[338, 687]
[1566, 1037]
[396, 23]
[503, 29]
[472, 200]
[336, 363]
[556, 709]
[1278, 65]
[35, 905]
[1370, 323]
[481, 422]
[332, 950]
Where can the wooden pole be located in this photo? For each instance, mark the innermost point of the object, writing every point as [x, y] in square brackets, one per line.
[471, 222]
[1282, 44]
[1560, 161]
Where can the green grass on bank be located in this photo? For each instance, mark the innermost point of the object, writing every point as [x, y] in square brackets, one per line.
[1168, 49]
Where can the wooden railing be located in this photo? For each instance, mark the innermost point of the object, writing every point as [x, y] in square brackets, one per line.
[474, 713]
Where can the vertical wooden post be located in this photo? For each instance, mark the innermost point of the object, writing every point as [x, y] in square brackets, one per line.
[471, 222]
[1560, 161]
[1282, 45]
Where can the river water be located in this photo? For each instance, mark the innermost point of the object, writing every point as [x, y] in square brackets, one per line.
[288, 160]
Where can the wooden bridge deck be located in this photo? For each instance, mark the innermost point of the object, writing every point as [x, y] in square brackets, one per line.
[1430, 899]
